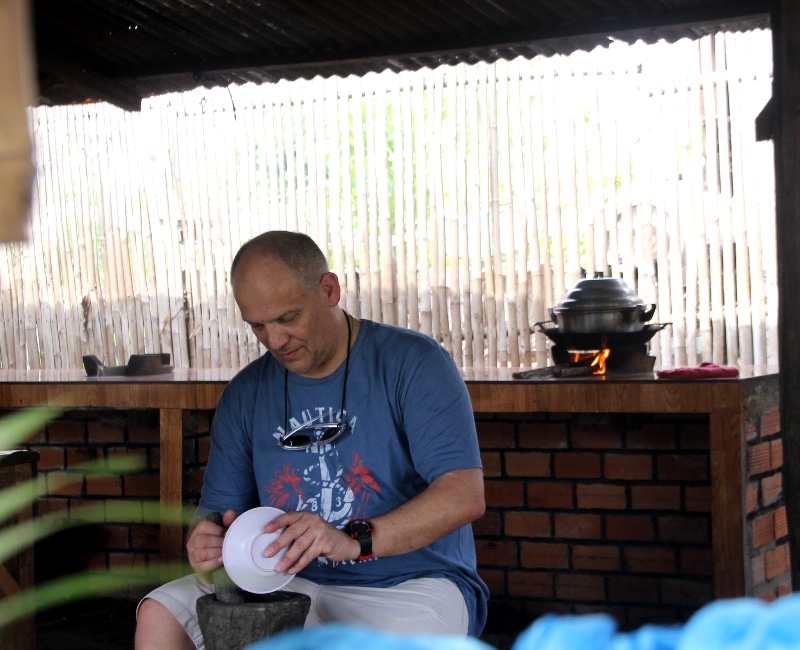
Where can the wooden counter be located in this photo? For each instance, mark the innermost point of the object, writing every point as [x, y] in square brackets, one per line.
[491, 391]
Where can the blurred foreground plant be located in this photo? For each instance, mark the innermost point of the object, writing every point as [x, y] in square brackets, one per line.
[15, 429]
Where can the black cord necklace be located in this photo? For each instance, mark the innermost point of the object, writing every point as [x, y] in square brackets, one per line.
[344, 386]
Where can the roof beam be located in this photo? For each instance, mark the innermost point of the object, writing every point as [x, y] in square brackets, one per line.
[754, 10]
[89, 81]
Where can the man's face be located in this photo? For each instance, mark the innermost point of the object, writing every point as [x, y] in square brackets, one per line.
[296, 324]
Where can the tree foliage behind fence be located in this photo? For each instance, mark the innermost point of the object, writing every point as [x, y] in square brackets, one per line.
[462, 201]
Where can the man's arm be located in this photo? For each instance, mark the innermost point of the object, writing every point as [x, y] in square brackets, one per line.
[451, 501]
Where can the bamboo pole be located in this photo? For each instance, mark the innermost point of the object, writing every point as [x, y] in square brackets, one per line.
[475, 212]
[384, 233]
[441, 330]
[462, 321]
[516, 296]
[494, 286]
[423, 83]
[402, 136]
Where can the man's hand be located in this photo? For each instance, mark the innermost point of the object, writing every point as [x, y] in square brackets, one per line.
[307, 537]
[204, 547]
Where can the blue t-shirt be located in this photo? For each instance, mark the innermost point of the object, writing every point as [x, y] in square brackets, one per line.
[411, 422]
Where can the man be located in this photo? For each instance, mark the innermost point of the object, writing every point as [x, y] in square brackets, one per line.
[363, 435]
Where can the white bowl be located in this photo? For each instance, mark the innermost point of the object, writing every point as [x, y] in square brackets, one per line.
[243, 552]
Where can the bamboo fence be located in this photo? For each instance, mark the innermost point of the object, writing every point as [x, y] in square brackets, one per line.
[461, 202]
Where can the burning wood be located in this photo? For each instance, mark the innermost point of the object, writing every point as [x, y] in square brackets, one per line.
[583, 364]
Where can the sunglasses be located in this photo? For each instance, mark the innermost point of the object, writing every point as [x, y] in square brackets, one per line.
[313, 433]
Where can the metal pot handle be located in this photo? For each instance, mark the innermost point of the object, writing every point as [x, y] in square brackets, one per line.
[648, 312]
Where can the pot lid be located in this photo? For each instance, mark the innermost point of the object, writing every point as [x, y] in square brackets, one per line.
[599, 294]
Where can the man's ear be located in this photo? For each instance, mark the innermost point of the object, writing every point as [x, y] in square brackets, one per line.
[330, 288]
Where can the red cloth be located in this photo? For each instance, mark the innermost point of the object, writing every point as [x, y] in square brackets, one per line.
[705, 370]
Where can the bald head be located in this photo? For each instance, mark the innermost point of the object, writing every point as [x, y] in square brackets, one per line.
[294, 249]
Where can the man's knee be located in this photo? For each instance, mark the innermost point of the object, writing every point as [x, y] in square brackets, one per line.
[157, 628]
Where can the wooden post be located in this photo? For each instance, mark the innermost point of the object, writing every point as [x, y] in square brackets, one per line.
[785, 21]
[171, 480]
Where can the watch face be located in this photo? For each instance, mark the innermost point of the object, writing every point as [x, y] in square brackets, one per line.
[359, 527]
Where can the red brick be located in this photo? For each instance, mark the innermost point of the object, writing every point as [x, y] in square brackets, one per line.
[490, 461]
[97, 432]
[577, 465]
[696, 561]
[776, 454]
[529, 463]
[570, 586]
[47, 506]
[591, 439]
[142, 485]
[751, 497]
[694, 436]
[656, 497]
[630, 528]
[64, 432]
[544, 435]
[686, 592]
[577, 526]
[785, 588]
[491, 553]
[114, 537]
[83, 456]
[64, 483]
[683, 467]
[758, 570]
[547, 494]
[544, 556]
[601, 496]
[652, 436]
[104, 485]
[96, 561]
[759, 459]
[633, 589]
[50, 458]
[750, 431]
[697, 499]
[763, 530]
[781, 526]
[530, 584]
[771, 489]
[503, 493]
[145, 538]
[633, 467]
[640, 616]
[132, 562]
[143, 435]
[527, 524]
[776, 562]
[650, 560]
[489, 524]
[683, 529]
[596, 558]
[495, 580]
[203, 450]
[496, 435]
[771, 422]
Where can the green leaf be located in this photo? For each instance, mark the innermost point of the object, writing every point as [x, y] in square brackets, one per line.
[21, 425]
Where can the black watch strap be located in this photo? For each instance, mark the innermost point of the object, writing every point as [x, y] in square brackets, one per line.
[361, 531]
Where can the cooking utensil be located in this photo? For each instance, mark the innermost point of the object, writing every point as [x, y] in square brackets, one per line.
[600, 304]
[598, 340]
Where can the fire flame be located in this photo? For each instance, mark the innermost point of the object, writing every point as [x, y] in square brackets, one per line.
[598, 360]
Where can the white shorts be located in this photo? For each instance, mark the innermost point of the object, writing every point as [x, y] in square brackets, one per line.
[420, 606]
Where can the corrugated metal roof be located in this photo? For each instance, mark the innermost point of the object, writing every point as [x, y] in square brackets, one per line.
[123, 50]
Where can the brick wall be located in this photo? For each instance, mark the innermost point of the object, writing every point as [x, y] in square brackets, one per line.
[766, 532]
[584, 513]
[595, 513]
[84, 435]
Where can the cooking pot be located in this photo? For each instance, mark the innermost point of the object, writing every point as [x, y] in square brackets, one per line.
[601, 305]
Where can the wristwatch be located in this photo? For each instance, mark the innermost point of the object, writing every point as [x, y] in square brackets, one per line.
[361, 531]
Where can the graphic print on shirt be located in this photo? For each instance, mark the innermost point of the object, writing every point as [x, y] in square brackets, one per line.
[334, 488]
